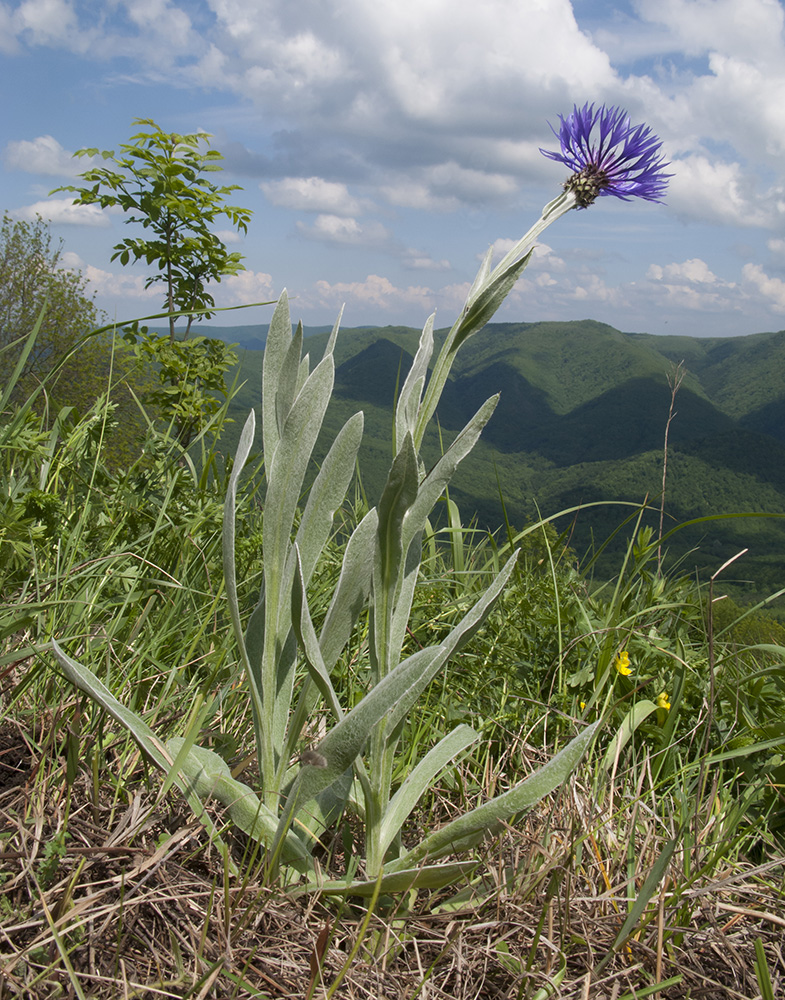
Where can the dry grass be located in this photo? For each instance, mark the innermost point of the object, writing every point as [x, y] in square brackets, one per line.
[114, 895]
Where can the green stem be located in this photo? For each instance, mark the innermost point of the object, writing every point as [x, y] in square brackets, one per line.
[463, 328]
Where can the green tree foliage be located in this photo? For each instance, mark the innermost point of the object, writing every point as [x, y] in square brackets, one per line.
[32, 276]
[159, 183]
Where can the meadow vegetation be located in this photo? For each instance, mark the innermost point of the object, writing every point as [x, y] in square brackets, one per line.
[264, 739]
[660, 861]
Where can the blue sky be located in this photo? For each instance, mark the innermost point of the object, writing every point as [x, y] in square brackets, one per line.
[384, 145]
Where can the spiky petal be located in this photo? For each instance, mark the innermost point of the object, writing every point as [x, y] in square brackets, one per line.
[608, 155]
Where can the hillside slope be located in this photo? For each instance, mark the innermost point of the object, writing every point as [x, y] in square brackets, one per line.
[581, 420]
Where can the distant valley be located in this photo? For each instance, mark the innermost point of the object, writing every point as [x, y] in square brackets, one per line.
[581, 419]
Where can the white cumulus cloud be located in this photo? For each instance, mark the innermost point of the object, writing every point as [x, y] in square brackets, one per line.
[47, 22]
[695, 271]
[312, 194]
[721, 192]
[337, 229]
[243, 288]
[772, 289]
[121, 285]
[62, 211]
[43, 155]
[417, 260]
[375, 290]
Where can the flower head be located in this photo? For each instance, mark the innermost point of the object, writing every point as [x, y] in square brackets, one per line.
[662, 700]
[619, 159]
[622, 663]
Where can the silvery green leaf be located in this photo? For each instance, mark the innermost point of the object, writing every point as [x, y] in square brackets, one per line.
[209, 776]
[440, 475]
[639, 712]
[322, 812]
[286, 472]
[303, 372]
[391, 700]
[327, 493]
[481, 310]
[405, 596]
[254, 645]
[346, 740]
[330, 346]
[400, 492]
[481, 277]
[148, 742]
[351, 591]
[284, 685]
[288, 376]
[230, 576]
[420, 779]
[411, 393]
[230, 505]
[306, 636]
[86, 681]
[469, 829]
[279, 337]
[457, 637]
[426, 877]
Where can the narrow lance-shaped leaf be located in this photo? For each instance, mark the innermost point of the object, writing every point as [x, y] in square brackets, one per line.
[286, 389]
[330, 346]
[639, 712]
[306, 636]
[391, 699]
[480, 278]
[327, 493]
[230, 506]
[399, 881]
[279, 337]
[441, 474]
[399, 494]
[411, 393]
[420, 779]
[348, 600]
[351, 591]
[303, 372]
[456, 638]
[482, 309]
[230, 573]
[404, 597]
[210, 776]
[466, 830]
[339, 748]
[286, 472]
[149, 743]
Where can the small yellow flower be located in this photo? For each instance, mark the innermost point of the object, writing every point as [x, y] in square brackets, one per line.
[662, 700]
[583, 705]
[622, 663]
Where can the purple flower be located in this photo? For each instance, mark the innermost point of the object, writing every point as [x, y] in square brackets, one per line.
[620, 159]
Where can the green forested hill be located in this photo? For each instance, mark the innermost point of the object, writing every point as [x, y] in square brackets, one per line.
[738, 373]
[581, 419]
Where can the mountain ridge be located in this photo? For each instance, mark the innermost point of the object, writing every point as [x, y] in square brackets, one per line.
[581, 418]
